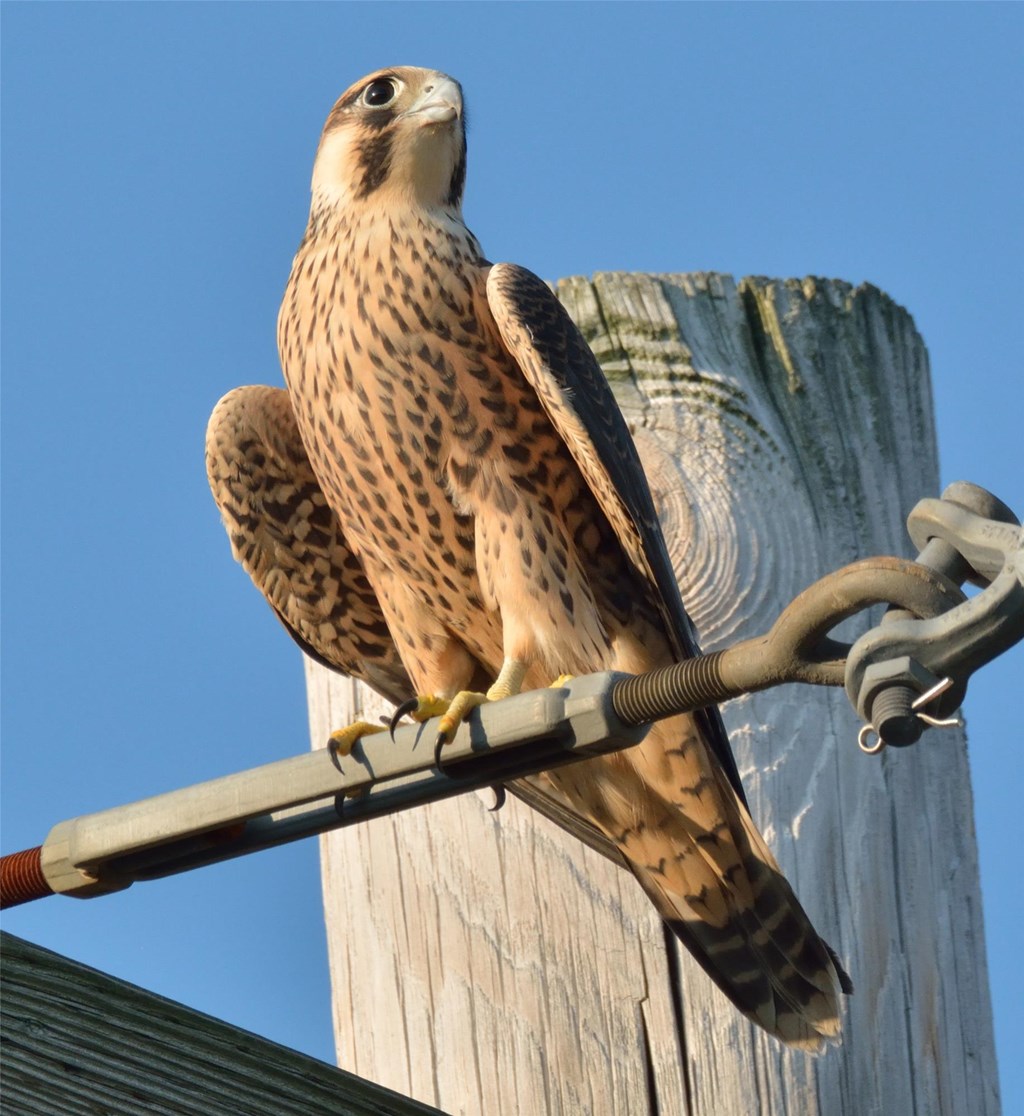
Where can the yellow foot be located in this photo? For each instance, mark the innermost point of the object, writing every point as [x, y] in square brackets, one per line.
[458, 710]
[427, 706]
[560, 681]
[508, 683]
[342, 741]
[421, 708]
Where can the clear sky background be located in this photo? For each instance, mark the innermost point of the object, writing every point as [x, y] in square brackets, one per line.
[156, 163]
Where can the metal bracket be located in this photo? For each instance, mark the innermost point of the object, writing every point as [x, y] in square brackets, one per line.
[318, 791]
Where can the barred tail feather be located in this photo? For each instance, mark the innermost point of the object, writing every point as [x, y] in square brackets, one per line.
[764, 955]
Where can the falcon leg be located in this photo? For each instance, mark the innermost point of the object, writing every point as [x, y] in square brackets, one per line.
[343, 740]
[499, 790]
[508, 683]
[421, 708]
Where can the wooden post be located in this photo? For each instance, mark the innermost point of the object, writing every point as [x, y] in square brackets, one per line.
[489, 963]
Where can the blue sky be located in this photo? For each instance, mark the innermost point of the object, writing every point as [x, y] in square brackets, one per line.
[156, 165]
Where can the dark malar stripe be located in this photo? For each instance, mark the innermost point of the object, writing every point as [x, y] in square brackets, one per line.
[458, 182]
[375, 159]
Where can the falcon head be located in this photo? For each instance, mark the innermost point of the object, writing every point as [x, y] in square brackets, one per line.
[396, 136]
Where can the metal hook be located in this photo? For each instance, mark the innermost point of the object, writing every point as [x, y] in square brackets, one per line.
[936, 722]
[862, 737]
[940, 687]
[926, 698]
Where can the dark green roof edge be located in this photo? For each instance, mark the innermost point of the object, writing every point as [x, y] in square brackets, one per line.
[76, 1040]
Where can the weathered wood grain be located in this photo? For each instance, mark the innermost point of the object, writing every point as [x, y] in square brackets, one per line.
[490, 963]
[77, 1042]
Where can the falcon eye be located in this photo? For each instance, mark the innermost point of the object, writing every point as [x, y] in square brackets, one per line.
[379, 92]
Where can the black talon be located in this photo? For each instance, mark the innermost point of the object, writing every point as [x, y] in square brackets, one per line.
[332, 751]
[499, 798]
[406, 707]
[439, 744]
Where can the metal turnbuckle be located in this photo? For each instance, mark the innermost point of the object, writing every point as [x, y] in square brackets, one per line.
[911, 671]
[903, 676]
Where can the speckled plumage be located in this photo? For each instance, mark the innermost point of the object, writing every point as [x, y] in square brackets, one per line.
[454, 474]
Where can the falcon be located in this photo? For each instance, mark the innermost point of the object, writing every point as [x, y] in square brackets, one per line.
[446, 502]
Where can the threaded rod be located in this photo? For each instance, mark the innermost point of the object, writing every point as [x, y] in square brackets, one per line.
[22, 879]
[680, 688]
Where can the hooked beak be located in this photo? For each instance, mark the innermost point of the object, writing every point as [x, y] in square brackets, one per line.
[439, 103]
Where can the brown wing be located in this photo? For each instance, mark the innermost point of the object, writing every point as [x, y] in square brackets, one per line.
[290, 543]
[549, 348]
[678, 815]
